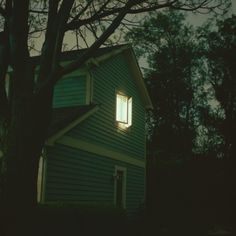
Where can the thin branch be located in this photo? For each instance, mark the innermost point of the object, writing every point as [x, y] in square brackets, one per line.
[76, 24]
[34, 49]
[153, 8]
[106, 34]
[103, 7]
[37, 31]
[202, 5]
[171, 4]
[38, 11]
[57, 74]
[83, 38]
[82, 11]
[93, 30]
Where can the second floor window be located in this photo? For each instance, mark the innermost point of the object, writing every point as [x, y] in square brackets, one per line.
[123, 110]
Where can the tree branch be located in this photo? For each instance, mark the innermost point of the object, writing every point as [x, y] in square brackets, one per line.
[82, 11]
[39, 11]
[174, 4]
[53, 41]
[57, 74]
[116, 22]
[78, 23]
[130, 7]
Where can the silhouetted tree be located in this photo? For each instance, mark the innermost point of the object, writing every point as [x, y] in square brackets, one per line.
[171, 50]
[220, 47]
[191, 78]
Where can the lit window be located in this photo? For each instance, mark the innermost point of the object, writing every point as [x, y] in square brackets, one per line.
[123, 110]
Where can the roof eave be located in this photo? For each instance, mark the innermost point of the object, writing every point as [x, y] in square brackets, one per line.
[138, 77]
[53, 138]
[133, 63]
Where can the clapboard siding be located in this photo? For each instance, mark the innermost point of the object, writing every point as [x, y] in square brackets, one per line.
[76, 175]
[70, 91]
[109, 77]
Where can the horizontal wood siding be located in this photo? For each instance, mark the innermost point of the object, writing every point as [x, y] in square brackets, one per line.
[75, 175]
[108, 78]
[70, 91]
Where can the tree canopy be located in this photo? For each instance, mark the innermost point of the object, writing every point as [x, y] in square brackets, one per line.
[219, 47]
[171, 48]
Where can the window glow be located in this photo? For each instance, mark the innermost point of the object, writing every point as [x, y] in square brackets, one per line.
[130, 112]
[123, 111]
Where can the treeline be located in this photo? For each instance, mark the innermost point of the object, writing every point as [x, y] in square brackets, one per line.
[191, 78]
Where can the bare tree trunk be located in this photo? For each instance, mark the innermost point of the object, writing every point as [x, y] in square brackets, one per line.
[27, 133]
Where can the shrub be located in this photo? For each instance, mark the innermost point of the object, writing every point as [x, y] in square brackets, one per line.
[67, 218]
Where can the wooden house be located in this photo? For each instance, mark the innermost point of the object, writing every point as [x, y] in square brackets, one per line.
[96, 148]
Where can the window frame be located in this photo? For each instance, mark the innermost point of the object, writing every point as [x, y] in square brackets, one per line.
[124, 183]
[127, 123]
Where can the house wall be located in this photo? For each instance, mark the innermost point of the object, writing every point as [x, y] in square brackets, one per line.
[76, 175]
[70, 91]
[79, 176]
[101, 128]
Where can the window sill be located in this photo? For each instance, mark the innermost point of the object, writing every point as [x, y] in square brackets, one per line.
[123, 127]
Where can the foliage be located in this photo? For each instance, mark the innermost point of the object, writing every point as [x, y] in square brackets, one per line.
[191, 79]
[219, 49]
[170, 46]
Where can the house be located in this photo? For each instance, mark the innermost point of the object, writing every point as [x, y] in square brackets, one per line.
[95, 151]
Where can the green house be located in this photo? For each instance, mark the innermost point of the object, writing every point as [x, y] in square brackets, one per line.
[95, 151]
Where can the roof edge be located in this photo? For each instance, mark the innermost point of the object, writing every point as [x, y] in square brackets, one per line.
[133, 63]
[52, 139]
[138, 77]
[98, 59]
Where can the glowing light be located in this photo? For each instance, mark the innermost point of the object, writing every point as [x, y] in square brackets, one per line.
[123, 111]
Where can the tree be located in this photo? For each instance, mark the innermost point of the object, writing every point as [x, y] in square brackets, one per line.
[170, 46]
[219, 50]
[171, 49]
[220, 47]
[23, 127]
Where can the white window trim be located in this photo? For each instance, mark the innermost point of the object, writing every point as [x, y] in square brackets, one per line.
[41, 179]
[89, 88]
[124, 169]
[128, 123]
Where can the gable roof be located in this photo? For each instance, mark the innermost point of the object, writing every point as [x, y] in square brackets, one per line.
[63, 115]
[133, 65]
[105, 53]
[75, 54]
[66, 118]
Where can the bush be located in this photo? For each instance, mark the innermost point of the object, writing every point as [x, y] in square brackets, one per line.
[68, 219]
